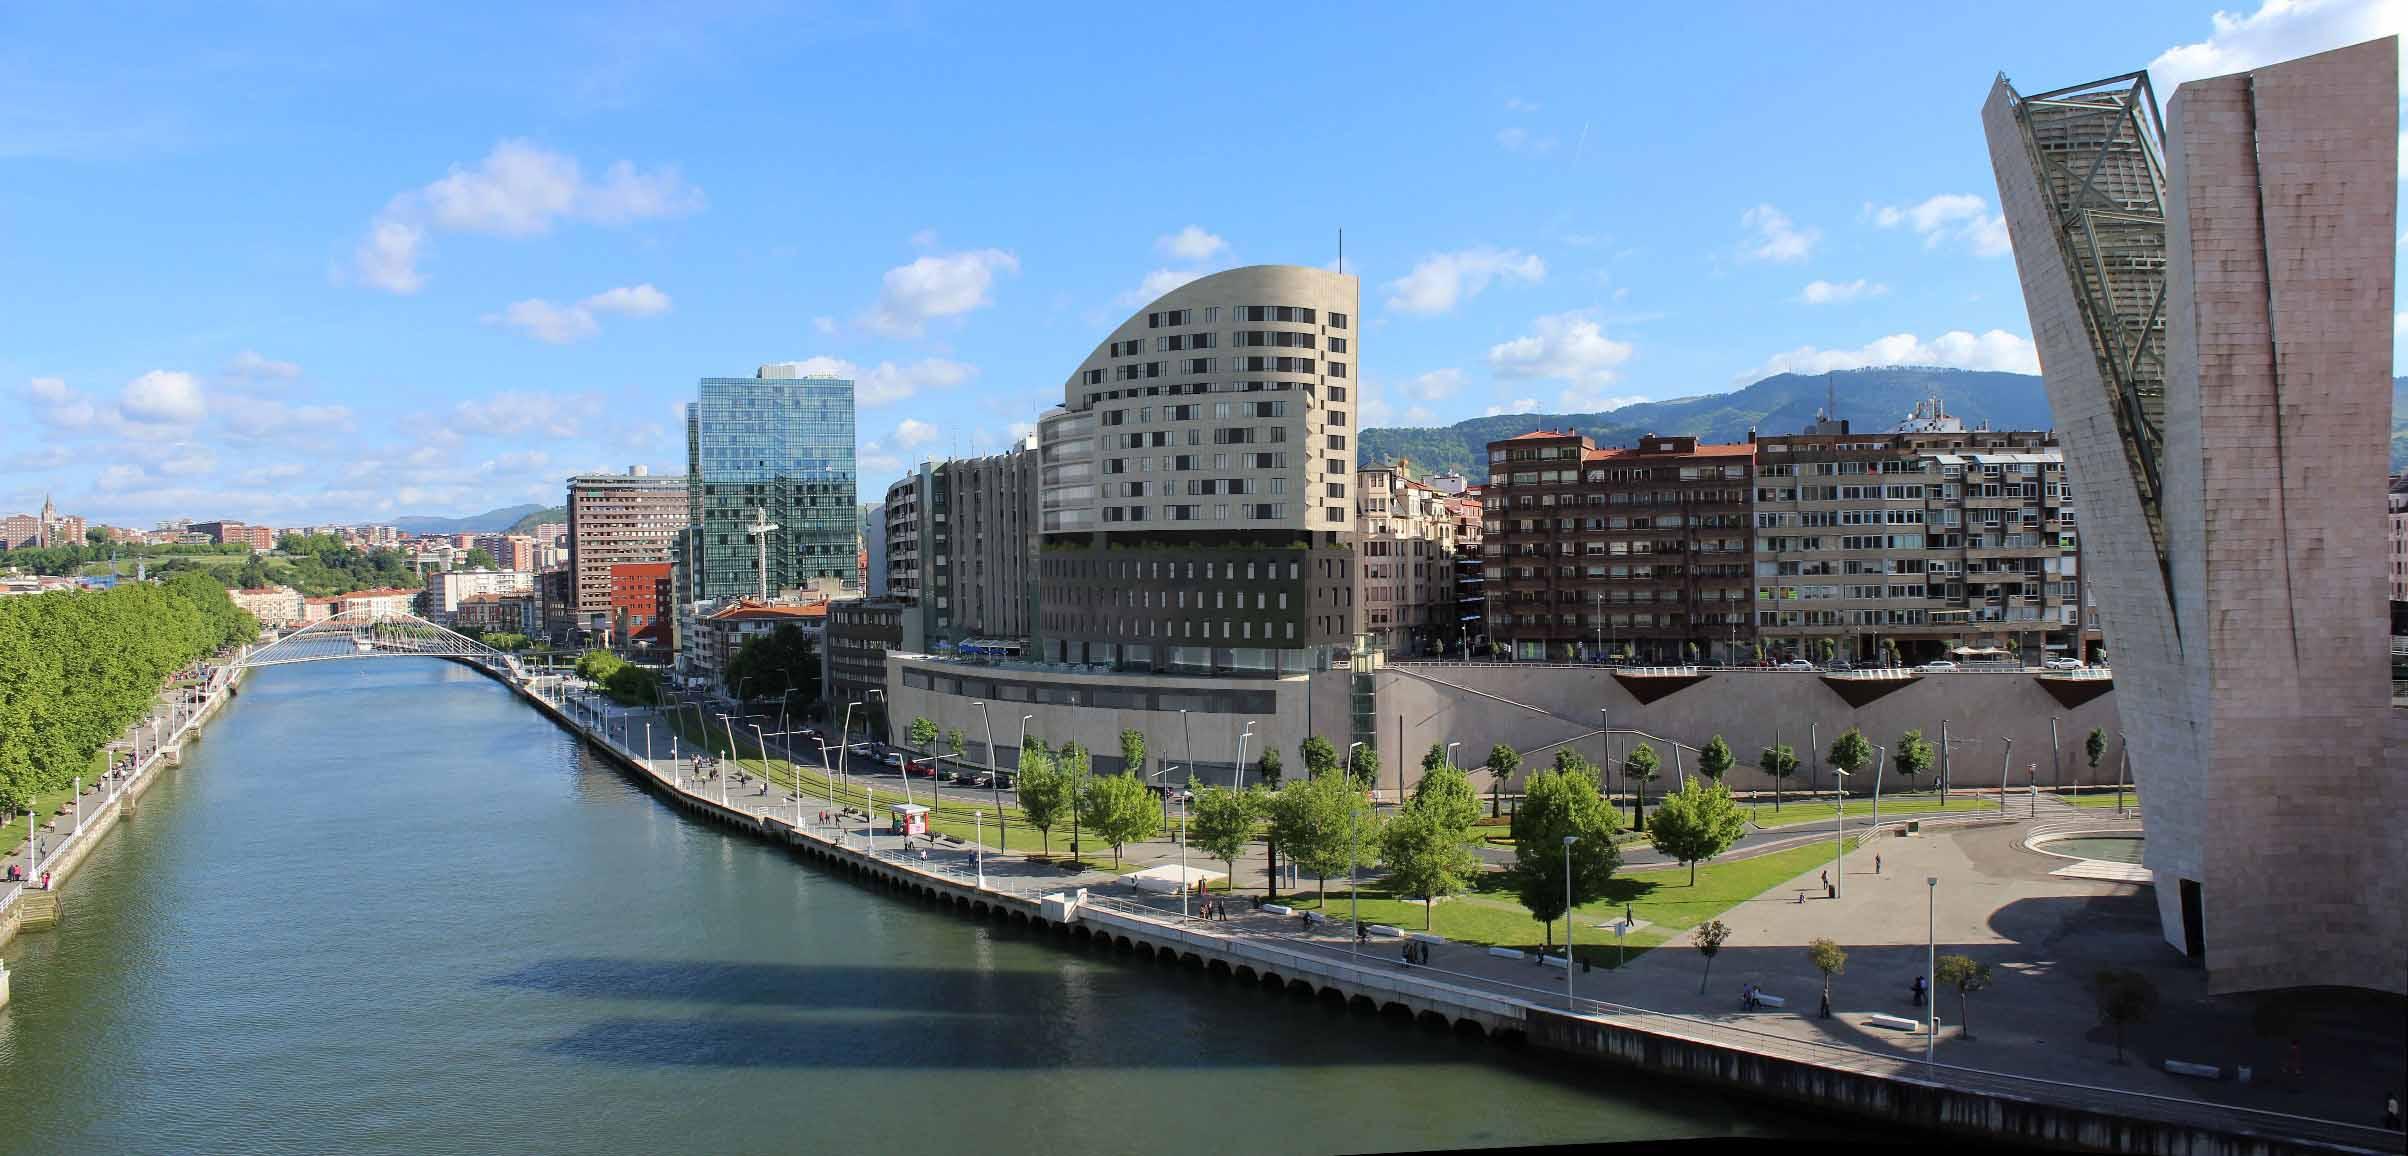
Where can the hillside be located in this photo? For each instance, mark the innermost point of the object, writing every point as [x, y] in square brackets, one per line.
[527, 524]
[1784, 403]
[1871, 399]
[491, 521]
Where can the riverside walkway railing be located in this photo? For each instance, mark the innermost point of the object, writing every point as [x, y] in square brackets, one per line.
[1373, 972]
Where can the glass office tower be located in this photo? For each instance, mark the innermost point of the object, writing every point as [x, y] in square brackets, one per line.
[777, 445]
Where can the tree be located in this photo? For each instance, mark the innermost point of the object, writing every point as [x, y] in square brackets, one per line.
[2124, 997]
[2095, 746]
[1120, 811]
[1269, 765]
[1045, 792]
[1434, 758]
[1708, 939]
[1320, 756]
[1889, 652]
[774, 665]
[1555, 804]
[1967, 977]
[1572, 762]
[1446, 792]
[1640, 767]
[1364, 767]
[1076, 765]
[1690, 652]
[921, 734]
[1696, 823]
[478, 559]
[1503, 761]
[1780, 761]
[1914, 756]
[1826, 649]
[1851, 752]
[1828, 958]
[1322, 825]
[953, 743]
[1225, 821]
[1132, 750]
[1427, 856]
[1715, 760]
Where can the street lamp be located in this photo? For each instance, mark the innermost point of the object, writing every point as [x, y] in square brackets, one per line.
[1931, 968]
[1237, 772]
[1569, 1003]
[1354, 872]
[1348, 769]
[844, 751]
[1183, 883]
[647, 744]
[1450, 759]
[1839, 836]
[978, 846]
[995, 773]
[1187, 743]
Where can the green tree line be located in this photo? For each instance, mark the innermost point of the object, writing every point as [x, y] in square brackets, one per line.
[57, 560]
[79, 666]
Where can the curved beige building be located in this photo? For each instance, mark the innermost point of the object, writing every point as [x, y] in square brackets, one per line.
[1196, 498]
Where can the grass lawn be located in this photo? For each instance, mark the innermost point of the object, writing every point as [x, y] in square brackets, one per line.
[1665, 900]
[2102, 798]
[1792, 814]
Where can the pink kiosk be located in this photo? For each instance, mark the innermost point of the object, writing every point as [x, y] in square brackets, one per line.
[906, 819]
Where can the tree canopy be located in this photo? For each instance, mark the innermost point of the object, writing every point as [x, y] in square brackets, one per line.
[1715, 760]
[1319, 755]
[1696, 823]
[1323, 825]
[77, 667]
[1429, 846]
[1224, 821]
[774, 665]
[1119, 810]
[1555, 804]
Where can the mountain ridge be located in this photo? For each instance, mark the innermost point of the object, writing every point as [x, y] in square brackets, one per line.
[492, 521]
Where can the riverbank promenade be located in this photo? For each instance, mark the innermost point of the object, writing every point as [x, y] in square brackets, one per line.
[2036, 1034]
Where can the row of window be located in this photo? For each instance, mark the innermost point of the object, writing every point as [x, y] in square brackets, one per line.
[1202, 487]
[1601, 477]
[1181, 463]
[1249, 511]
[1337, 393]
[1206, 315]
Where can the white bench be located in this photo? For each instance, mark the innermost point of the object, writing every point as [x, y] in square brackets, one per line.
[1885, 1020]
[2202, 1071]
[1771, 1000]
[1426, 937]
[1507, 953]
[1279, 909]
[1383, 929]
[1562, 961]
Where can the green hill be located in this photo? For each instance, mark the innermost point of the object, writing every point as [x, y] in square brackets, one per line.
[1784, 403]
[1871, 399]
[490, 521]
[527, 524]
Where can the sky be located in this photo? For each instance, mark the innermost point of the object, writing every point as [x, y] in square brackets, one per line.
[298, 263]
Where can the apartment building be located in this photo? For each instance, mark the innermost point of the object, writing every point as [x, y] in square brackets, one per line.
[444, 590]
[272, 605]
[1593, 551]
[1196, 500]
[1405, 568]
[615, 518]
[776, 446]
[1928, 540]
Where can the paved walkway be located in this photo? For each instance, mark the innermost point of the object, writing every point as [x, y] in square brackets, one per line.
[164, 726]
[2043, 935]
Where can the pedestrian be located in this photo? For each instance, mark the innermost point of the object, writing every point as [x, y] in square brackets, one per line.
[2391, 1111]
[1877, 864]
[1825, 1012]
[1826, 881]
[1916, 989]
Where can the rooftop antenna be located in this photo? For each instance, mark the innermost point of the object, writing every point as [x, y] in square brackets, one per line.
[1831, 396]
[1341, 248]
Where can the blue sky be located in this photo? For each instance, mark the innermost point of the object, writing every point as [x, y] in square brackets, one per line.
[349, 261]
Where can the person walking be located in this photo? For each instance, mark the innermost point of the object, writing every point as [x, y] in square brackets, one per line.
[1876, 864]
[1918, 990]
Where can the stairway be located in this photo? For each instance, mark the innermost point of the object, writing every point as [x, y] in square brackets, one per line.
[37, 909]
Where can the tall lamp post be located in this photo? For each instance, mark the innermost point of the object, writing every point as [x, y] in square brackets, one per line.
[844, 754]
[1931, 968]
[1570, 1004]
[1839, 836]
[1183, 883]
[978, 845]
[995, 775]
[1237, 771]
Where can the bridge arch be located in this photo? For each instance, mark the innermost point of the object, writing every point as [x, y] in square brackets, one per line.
[368, 633]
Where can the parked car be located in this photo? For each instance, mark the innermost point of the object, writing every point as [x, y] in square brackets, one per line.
[1794, 664]
[893, 759]
[1005, 779]
[2063, 663]
[1937, 666]
[920, 768]
[982, 780]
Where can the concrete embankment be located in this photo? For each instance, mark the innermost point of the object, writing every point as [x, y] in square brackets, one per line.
[1934, 1101]
[103, 806]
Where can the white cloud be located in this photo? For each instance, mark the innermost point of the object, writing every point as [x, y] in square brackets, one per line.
[518, 190]
[1520, 140]
[1441, 281]
[1517, 405]
[887, 382]
[1436, 385]
[55, 404]
[1566, 347]
[187, 461]
[1157, 283]
[1517, 104]
[937, 286]
[1948, 217]
[824, 326]
[1191, 244]
[2278, 30]
[250, 365]
[630, 301]
[1595, 401]
[513, 413]
[914, 432]
[1776, 237]
[544, 321]
[37, 459]
[1995, 349]
[163, 397]
[560, 324]
[253, 417]
[1840, 292]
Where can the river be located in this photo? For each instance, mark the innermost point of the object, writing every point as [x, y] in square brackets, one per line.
[386, 906]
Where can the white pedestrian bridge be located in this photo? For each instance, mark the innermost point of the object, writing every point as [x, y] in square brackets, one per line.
[374, 634]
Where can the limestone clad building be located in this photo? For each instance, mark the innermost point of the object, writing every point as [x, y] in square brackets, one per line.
[2212, 303]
